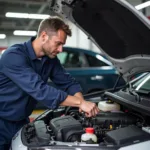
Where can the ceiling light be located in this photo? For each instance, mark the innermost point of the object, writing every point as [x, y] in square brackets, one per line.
[2, 36]
[26, 15]
[37, 16]
[24, 33]
[143, 5]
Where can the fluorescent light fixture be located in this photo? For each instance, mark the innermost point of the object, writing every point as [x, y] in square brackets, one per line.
[26, 15]
[24, 33]
[38, 16]
[2, 36]
[143, 5]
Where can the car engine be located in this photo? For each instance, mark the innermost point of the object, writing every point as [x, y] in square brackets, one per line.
[68, 129]
[57, 126]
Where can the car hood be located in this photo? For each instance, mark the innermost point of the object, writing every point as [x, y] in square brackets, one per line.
[117, 28]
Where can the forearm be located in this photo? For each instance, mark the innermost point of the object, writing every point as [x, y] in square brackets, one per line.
[73, 101]
[79, 95]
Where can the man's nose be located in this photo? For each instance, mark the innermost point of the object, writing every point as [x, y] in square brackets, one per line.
[60, 48]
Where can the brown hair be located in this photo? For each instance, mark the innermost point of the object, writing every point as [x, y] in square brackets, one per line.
[52, 24]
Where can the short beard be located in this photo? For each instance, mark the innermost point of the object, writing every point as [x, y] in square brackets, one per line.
[50, 56]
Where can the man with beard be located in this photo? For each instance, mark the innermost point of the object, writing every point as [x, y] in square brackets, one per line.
[24, 72]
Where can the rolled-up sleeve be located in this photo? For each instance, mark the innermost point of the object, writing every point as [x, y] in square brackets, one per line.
[18, 69]
[64, 80]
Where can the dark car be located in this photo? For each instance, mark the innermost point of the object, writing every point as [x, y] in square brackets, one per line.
[92, 70]
[124, 121]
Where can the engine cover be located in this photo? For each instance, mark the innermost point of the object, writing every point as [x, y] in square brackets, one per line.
[114, 118]
[66, 128]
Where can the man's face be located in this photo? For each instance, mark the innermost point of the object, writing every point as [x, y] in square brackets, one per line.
[54, 44]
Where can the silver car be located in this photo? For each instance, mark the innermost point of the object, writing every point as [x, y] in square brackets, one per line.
[123, 35]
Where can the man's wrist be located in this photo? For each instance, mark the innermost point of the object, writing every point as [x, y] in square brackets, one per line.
[79, 102]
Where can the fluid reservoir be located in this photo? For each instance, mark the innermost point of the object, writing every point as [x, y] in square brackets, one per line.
[108, 106]
[89, 137]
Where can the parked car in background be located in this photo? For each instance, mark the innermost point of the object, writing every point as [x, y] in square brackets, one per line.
[92, 70]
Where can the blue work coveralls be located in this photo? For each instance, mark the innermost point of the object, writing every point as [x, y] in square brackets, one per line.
[23, 82]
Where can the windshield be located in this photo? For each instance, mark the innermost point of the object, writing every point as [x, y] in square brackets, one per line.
[143, 84]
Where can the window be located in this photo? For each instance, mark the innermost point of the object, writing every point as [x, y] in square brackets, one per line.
[143, 84]
[62, 57]
[70, 59]
[94, 62]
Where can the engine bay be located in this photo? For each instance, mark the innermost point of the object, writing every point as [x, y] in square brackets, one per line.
[66, 126]
[116, 125]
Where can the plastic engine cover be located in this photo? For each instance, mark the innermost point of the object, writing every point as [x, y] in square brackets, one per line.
[64, 127]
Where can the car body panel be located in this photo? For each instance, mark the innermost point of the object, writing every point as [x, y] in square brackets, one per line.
[17, 142]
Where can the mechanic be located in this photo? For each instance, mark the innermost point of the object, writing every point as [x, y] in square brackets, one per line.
[24, 72]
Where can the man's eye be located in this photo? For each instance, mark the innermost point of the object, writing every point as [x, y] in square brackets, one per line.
[59, 44]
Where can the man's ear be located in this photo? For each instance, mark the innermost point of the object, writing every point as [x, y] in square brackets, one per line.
[44, 36]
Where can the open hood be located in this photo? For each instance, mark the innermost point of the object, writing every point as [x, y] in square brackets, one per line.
[117, 28]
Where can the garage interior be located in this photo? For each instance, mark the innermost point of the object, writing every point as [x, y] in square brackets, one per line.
[13, 24]
[116, 86]
[8, 24]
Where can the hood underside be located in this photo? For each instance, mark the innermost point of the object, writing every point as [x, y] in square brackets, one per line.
[118, 29]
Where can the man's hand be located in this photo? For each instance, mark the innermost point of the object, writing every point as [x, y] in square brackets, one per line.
[89, 108]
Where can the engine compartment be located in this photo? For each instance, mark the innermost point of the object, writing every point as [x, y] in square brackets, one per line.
[66, 125]
[68, 129]
[56, 127]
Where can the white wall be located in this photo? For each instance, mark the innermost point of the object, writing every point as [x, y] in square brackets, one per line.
[10, 40]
